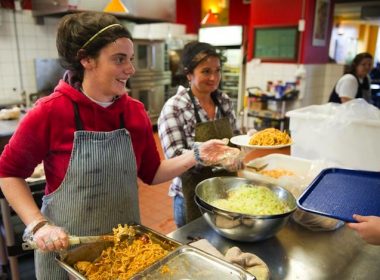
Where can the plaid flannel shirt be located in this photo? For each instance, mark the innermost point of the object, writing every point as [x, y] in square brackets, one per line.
[176, 126]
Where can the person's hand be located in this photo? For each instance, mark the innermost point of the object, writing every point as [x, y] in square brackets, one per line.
[251, 132]
[51, 238]
[368, 228]
[217, 153]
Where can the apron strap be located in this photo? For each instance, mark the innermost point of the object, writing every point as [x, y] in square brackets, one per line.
[197, 117]
[122, 123]
[214, 99]
[217, 103]
[78, 121]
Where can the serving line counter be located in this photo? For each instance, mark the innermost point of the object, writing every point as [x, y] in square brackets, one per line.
[298, 253]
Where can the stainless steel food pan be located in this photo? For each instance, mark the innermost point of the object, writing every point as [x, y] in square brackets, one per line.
[89, 252]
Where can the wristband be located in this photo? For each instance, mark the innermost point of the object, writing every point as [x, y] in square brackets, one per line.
[32, 228]
[197, 155]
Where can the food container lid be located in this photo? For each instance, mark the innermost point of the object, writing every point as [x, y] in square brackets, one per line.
[339, 193]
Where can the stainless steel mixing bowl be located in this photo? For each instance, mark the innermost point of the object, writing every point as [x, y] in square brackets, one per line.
[237, 226]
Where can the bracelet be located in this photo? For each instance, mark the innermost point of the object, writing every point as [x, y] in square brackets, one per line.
[38, 226]
[32, 228]
[197, 155]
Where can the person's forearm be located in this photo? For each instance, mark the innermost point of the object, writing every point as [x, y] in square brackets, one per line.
[171, 168]
[18, 194]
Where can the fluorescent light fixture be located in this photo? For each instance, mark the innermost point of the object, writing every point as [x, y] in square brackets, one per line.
[221, 35]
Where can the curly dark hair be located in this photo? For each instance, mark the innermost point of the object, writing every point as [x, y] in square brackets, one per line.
[75, 30]
[195, 52]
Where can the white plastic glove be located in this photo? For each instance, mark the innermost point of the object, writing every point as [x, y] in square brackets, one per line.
[48, 237]
[251, 132]
[217, 153]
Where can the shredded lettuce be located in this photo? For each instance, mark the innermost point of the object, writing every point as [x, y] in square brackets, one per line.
[252, 200]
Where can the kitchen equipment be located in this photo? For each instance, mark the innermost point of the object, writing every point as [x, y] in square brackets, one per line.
[188, 262]
[236, 226]
[151, 81]
[340, 193]
[89, 252]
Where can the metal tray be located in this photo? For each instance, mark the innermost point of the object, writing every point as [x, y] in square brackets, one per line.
[188, 262]
[340, 193]
[89, 252]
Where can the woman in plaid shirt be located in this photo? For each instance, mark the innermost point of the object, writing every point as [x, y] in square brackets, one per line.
[195, 114]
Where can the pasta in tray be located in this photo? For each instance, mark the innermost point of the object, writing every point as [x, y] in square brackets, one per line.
[276, 173]
[124, 259]
[270, 137]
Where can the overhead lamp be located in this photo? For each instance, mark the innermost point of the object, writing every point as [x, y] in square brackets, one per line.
[116, 6]
[210, 18]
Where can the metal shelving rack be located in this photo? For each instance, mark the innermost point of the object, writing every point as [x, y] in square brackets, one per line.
[268, 110]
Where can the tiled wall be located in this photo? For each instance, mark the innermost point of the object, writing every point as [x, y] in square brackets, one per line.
[21, 41]
[316, 84]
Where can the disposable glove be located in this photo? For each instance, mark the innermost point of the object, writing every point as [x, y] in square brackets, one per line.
[217, 153]
[48, 237]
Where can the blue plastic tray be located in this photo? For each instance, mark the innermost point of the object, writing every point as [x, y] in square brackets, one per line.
[340, 193]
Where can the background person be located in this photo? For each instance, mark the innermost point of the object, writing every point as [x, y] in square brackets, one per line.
[195, 114]
[94, 141]
[355, 83]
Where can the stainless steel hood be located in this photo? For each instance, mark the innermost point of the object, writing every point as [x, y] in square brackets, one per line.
[140, 11]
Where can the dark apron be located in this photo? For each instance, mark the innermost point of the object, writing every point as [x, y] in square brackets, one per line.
[364, 91]
[204, 131]
[99, 190]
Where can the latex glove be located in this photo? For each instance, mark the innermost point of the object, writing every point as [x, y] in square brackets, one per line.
[251, 132]
[217, 153]
[51, 238]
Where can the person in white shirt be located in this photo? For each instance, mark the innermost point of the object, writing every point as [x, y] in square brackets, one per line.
[355, 83]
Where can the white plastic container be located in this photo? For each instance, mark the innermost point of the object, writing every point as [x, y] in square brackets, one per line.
[348, 134]
[304, 171]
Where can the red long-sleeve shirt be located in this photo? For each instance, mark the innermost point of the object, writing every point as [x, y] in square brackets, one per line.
[46, 134]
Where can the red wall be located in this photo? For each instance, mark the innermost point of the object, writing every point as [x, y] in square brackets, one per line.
[189, 13]
[316, 54]
[284, 13]
[239, 13]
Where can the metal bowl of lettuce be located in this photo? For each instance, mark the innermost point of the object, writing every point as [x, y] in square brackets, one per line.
[242, 209]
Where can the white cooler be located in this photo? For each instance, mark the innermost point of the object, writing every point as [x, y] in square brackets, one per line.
[348, 134]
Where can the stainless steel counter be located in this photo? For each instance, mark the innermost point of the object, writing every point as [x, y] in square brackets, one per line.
[297, 253]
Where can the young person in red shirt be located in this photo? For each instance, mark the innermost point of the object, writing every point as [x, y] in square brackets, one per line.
[94, 141]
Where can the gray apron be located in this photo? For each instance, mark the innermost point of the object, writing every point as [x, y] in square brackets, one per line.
[204, 131]
[98, 192]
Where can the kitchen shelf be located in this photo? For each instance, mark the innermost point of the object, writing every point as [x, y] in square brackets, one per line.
[269, 110]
